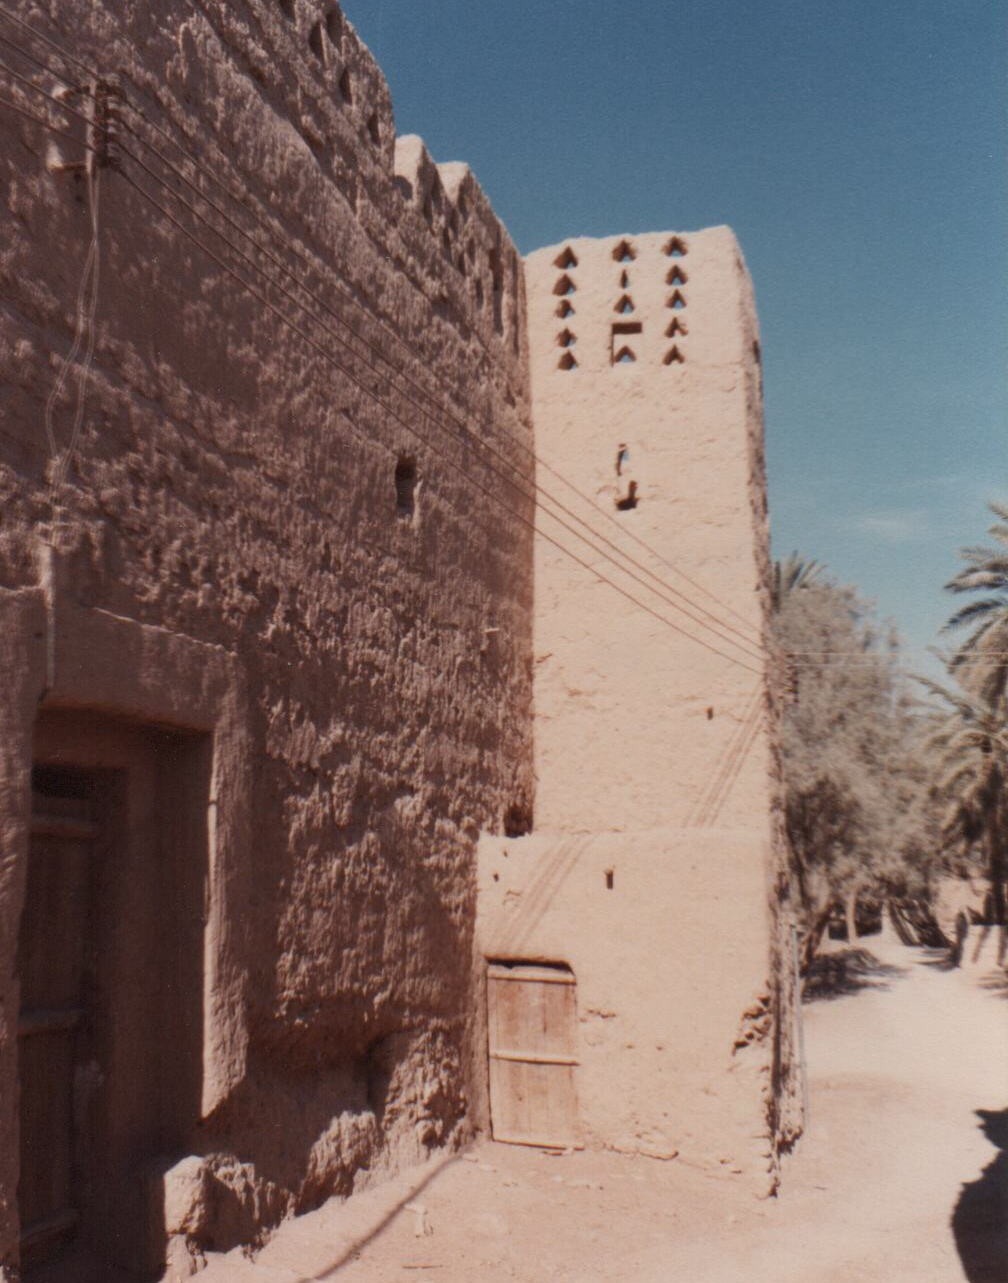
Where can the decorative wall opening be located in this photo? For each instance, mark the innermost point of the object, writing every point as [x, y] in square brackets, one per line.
[624, 252]
[566, 259]
[676, 326]
[617, 340]
[674, 357]
[624, 357]
[625, 305]
[676, 247]
[565, 308]
[629, 501]
[624, 280]
[676, 276]
[676, 300]
[566, 338]
[315, 43]
[567, 361]
[405, 486]
[564, 285]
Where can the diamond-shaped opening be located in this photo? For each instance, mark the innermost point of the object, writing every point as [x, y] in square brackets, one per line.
[624, 356]
[565, 338]
[625, 305]
[676, 276]
[674, 357]
[566, 259]
[676, 300]
[624, 280]
[567, 361]
[565, 308]
[564, 285]
[676, 247]
[624, 252]
[676, 326]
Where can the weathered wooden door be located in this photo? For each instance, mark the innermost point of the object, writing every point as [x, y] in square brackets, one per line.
[51, 957]
[532, 1026]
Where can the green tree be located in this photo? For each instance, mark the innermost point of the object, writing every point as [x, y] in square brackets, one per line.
[981, 661]
[971, 740]
[854, 787]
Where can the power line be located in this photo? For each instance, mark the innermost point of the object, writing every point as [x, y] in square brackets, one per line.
[368, 391]
[409, 428]
[750, 635]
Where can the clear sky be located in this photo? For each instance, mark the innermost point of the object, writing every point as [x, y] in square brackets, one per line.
[857, 149]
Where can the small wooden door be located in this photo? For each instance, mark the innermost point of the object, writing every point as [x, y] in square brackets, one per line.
[51, 969]
[532, 1025]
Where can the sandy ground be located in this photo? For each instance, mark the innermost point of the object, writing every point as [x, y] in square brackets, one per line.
[894, 1182]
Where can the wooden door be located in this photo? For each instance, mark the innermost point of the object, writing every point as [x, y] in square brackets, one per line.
[51, 971]
[532, 1025]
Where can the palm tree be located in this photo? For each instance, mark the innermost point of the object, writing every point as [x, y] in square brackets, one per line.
[790, 574]
[972, 743]
[982, 658]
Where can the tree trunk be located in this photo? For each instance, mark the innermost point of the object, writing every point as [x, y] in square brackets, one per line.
[996, 857]
[850, 913]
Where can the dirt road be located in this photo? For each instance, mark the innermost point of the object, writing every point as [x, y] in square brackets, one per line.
[895, 1181]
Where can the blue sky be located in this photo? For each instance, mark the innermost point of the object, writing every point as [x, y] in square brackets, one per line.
[857, 149]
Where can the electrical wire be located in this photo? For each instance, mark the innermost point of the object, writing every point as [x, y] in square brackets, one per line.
[751, 634]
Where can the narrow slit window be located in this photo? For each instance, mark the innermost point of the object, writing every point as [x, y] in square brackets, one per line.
[405, 486]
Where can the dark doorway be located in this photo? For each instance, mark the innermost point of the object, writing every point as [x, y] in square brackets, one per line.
[110, 962]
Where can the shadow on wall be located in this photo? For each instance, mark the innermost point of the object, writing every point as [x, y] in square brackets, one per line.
[844, 971]
[980, 1219]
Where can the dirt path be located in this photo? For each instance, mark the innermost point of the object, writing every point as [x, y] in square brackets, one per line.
[894, 1183]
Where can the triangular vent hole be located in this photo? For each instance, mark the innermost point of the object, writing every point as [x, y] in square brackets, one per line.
[677, 301]
[676, 326]
[565, 338]
[676, 276]
[624, 357]
[567, 361]
[624, 252]
[674, 357]
[564, 285]
[565, 308]
[625, 305]
[676, 247]
[566, 259]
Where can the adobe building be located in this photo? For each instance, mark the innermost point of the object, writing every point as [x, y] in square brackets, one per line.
[642, 917]
[271, 602]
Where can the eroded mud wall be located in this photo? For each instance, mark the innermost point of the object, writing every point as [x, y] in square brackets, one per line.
[311, 502]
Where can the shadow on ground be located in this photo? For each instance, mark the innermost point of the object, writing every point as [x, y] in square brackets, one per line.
[980, 1219]
[844, 971]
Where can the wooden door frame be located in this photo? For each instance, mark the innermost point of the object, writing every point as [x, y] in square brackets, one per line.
[58, 653]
